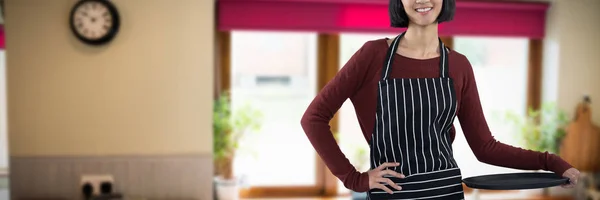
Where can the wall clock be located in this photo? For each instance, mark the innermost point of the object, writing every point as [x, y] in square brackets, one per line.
[94, 22]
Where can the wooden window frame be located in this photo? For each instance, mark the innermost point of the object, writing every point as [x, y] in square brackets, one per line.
[328, 48]
[328, 65]
[534, 74]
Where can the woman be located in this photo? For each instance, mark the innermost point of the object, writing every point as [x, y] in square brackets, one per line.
[407, 92]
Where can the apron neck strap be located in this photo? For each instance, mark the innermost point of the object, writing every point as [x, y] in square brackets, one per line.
[387, 66]
[443, 60]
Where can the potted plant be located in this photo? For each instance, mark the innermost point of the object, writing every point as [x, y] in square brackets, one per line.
[229, 126]
[542, 129]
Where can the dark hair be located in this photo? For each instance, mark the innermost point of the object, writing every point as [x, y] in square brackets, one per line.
[398, 17]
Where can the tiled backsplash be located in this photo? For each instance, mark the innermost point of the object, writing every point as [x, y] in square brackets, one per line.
[156, 177]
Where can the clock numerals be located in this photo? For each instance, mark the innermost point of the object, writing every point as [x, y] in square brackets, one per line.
[86, 33]
[107, 18]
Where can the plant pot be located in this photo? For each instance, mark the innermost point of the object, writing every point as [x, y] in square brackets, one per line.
[227, 189]
[359, 195]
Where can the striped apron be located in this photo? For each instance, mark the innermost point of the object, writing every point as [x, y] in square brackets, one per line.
[413, 122]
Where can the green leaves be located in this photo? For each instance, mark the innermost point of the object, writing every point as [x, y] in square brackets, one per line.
[229, 125]
[541, 130]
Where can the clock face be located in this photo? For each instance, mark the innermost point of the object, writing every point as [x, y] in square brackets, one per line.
[94, 21]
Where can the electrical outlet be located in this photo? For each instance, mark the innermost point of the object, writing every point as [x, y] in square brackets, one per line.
[95, 181]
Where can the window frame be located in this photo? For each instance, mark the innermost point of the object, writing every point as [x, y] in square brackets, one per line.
[327, 66]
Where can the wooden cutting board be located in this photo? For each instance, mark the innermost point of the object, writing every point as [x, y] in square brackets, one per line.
[581, 145]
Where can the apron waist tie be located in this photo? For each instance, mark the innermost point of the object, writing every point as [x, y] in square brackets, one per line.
[442, 184]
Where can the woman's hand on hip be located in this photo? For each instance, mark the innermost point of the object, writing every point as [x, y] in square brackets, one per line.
[573, 175]
[376, 179]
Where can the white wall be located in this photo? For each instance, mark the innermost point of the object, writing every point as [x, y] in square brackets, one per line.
[571, 58]
[3, 121]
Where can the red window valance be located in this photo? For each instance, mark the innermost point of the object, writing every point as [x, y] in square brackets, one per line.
[2, 36]
[485, 18]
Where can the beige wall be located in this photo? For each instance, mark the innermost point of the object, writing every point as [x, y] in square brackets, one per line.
[143, 93]
[148, 92]
[572, 62]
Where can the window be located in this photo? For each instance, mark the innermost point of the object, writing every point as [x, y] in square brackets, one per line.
[275, 73]
[500, 66]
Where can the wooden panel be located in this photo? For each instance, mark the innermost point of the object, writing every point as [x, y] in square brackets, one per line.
[328, 66]
[534, 74]
[222, 62]
[582, 141]
[280, 192]
[448, 41]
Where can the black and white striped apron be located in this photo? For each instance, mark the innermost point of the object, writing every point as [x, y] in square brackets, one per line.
[413, 122]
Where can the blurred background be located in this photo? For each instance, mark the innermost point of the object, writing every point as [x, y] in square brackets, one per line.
[202, 99]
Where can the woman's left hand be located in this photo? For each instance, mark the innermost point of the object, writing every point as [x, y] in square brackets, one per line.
[573, 175]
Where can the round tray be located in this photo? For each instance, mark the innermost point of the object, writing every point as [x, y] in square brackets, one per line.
[515, 181]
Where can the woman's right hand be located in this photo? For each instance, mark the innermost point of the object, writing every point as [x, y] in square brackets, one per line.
[376, 178]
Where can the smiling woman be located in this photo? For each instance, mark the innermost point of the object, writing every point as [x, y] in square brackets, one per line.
[417, 87]
[417, 47]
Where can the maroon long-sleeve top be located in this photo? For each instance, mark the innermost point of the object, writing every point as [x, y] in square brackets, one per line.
[357, 81]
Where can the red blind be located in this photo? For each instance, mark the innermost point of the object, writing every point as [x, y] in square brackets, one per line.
[484, 18]
[2, 36]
